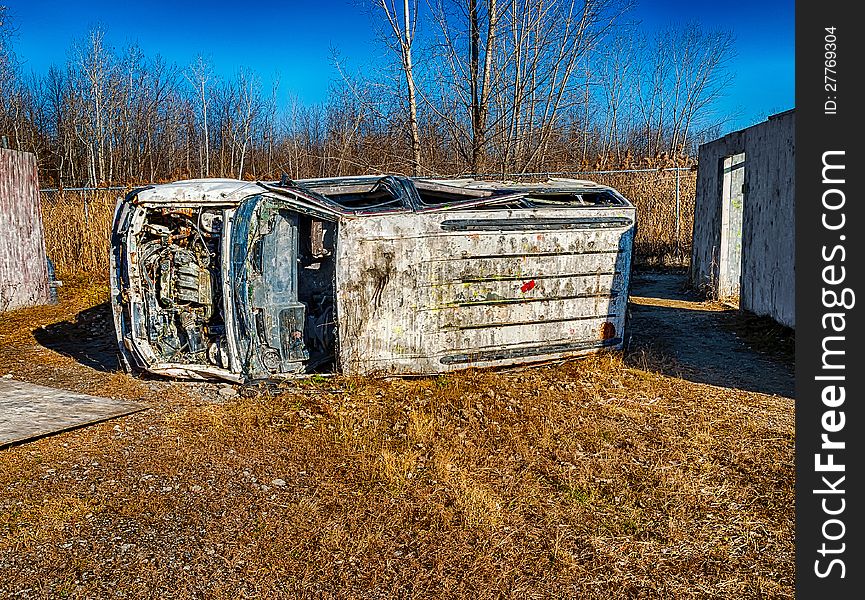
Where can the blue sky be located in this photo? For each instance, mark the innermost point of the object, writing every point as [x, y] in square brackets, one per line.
[293, 41]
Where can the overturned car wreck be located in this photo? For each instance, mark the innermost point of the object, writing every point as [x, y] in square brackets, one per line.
[247, 281]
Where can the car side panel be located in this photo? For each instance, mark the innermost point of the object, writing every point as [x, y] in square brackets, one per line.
[430, 293]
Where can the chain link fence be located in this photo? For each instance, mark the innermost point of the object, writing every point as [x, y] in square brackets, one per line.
[78, 220]
[664, 199]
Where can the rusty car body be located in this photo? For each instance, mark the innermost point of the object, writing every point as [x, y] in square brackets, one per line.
[245, 281]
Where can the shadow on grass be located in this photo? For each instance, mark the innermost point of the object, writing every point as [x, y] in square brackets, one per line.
[88, 338]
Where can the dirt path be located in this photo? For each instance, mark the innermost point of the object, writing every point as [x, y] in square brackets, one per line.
[698, 339]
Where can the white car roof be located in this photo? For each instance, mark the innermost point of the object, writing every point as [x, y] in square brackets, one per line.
[200, 190]
[217, 190]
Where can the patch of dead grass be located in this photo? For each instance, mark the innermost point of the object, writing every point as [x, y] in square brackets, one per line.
[591, 479]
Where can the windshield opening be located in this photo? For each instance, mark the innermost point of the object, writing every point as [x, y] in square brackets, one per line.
[359, 195]
[601, 198]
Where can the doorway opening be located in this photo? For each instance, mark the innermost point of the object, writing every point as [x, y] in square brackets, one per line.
[732, 204]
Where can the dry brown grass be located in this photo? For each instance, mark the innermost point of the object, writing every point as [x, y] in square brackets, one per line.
[654, 194]
[78, 293]
[591, 479]
[78, 230]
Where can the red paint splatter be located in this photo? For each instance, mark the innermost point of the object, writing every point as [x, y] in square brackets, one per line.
[529, 285]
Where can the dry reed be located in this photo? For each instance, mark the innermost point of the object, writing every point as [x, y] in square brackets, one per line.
[78, 230]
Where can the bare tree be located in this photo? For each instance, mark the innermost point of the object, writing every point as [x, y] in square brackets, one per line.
[560, 38]
[465, 50]
[682, 72]
[479, 80]
[512, 70]
[93, 68]
[199, 75]
[701, 77]
[615, 75]
[5, 51]
[248, 108]
[505, 85]
[403, 30]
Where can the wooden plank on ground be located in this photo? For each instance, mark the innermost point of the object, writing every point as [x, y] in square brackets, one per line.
[29, 411]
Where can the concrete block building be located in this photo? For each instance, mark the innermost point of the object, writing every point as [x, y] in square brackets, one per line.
[743, 244]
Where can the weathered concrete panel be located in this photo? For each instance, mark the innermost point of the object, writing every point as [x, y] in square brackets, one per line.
[23, 268]
[768, 243]
[767, 270]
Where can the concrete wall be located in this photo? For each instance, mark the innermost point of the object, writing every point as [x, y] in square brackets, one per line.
[23, 268]
[767, 273]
